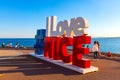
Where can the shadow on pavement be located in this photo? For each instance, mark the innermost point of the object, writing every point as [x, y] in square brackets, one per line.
[32, 66]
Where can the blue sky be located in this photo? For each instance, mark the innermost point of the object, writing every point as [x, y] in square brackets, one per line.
[21, 18]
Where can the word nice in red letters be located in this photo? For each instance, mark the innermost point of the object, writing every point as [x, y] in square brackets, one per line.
[67, 33]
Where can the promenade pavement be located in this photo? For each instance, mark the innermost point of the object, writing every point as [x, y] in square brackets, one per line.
[25, 67]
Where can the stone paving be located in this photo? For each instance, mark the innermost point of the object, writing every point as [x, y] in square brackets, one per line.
[25, 67]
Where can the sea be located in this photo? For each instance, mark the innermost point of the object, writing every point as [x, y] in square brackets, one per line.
[111, 44]
[24, 42]
[106, 44]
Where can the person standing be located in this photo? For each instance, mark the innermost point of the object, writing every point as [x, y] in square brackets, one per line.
[17, 45]
[99, 53]
[95, 50]
[3, 44]
[10, 45]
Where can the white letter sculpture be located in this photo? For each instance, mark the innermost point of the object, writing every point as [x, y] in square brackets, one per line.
[77, 25]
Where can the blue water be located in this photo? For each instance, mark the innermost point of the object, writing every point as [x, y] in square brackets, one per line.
[107, 44]
[26, 42]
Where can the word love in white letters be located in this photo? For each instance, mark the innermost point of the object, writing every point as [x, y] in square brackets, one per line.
[75, 27]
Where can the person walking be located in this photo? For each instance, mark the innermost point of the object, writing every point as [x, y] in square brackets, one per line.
[95, 50]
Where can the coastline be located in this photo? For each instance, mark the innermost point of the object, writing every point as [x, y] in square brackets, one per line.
[69, 50]
[103, 53]
[113, 54]
[22, 48]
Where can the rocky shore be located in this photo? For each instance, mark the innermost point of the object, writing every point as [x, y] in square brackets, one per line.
[113, 54]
